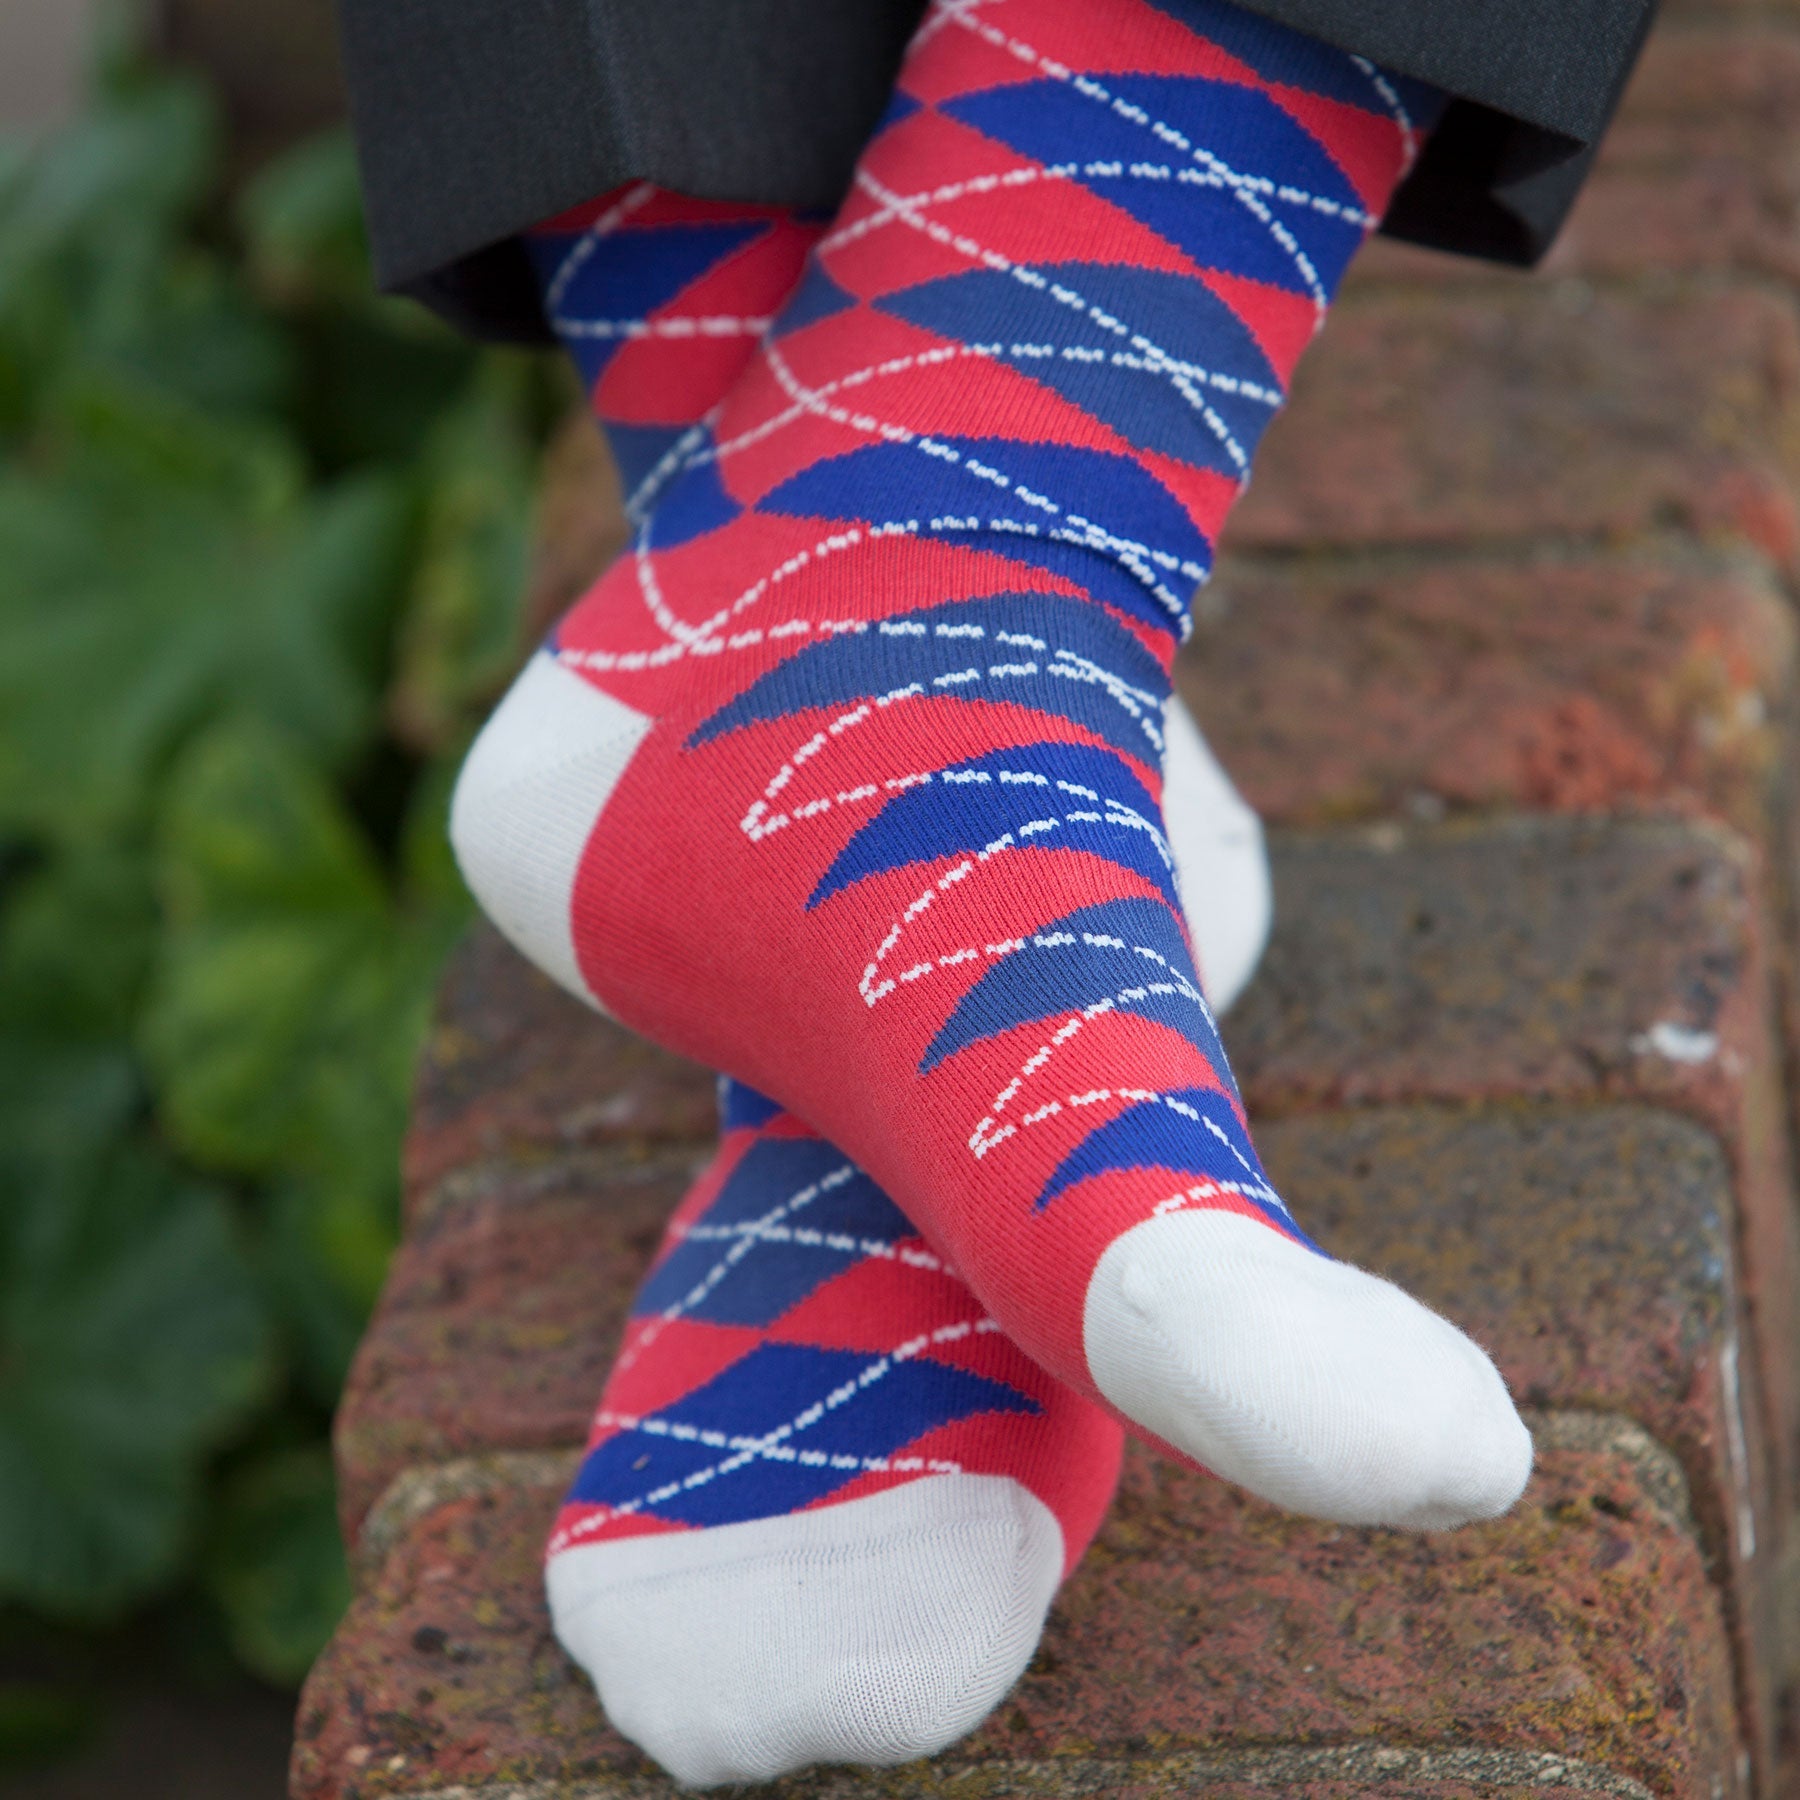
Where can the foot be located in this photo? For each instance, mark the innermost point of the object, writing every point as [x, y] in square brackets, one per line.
[826, 1503]
[1081, 1191]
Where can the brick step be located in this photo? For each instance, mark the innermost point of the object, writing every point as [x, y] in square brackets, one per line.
[1574, 1647]
[1406, 687]
[1588, 1245]
[1572, 422]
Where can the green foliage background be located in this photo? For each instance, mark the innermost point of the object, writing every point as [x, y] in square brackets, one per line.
[262, 538]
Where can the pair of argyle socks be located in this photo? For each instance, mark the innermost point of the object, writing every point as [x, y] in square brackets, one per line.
[849, 780]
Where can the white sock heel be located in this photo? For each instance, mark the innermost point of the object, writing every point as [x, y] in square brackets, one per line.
[871, 1632]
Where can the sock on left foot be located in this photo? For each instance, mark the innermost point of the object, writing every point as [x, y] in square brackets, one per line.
[826, 1503]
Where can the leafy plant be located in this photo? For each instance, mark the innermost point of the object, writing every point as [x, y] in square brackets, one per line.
[275, 1563]
[131, 1339]
[262, 536]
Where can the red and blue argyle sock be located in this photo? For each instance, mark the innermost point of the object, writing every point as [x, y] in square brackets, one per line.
[784, 1277]
[660, 302]
[826, 1502]
[848, 779]
[786, 1263]
[786, 1273]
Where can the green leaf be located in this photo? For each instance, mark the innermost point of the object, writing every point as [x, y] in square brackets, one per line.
[459, 639]
[302, 222]
[378, 373]
[90, 260]
[290, 1000]
[138, 161]
[378, 376]
[122, 435]
[279, 960]
[63, 1104]
[277, 1565]
[131, 1341]
[75, 943]
[133, 609]
[265, 535]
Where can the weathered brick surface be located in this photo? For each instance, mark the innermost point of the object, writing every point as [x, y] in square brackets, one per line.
[1547, 682]
[1383, 983]
[1541, 957]
[1502, 642]
[1586, 1246]
[1583, 1627]
[1565, 411]
[514, 1062]
[1589, 1248]
[1737, 79]
[500, 1317]
[1535, 956]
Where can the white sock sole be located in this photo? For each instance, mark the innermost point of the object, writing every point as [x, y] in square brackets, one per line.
[1314, 1384]
[537, 777]
[872, 1632]
[1221, 865]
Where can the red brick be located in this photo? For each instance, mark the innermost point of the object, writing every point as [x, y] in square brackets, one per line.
[499, 1319]
[1540, 957]
[1740, 14]
[1573, 958]
[516, 1068]
[1582, 1627]
[1697, 176]
[1589, 1249]
[1585, 1246]
[1356, 690]
[1728, 76]
[1555, 412]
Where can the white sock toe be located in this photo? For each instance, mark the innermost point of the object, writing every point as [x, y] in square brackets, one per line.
[872, 1632]
[1323, 1388]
